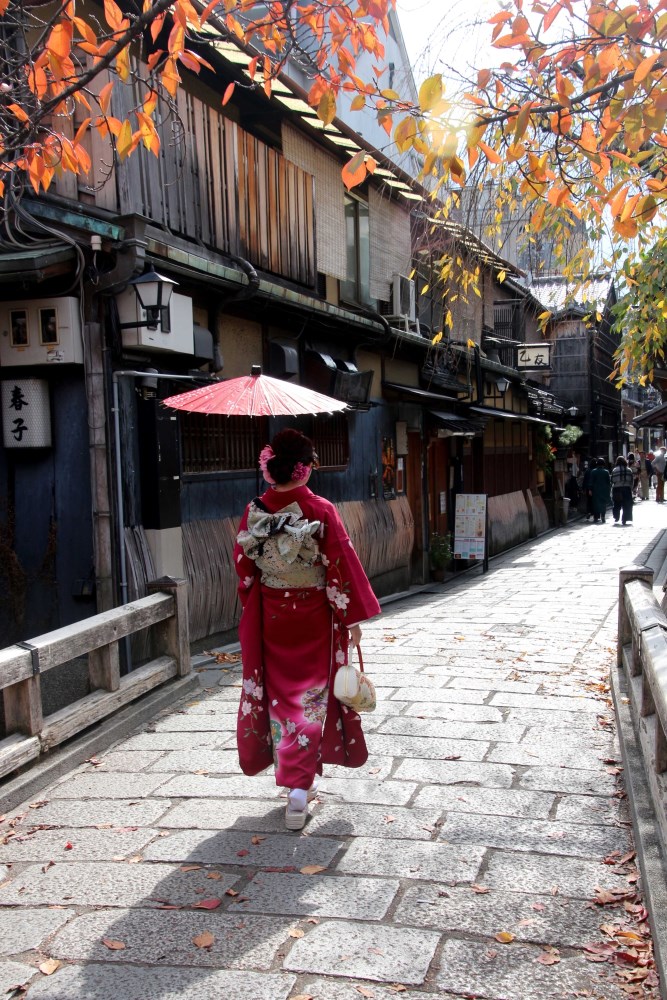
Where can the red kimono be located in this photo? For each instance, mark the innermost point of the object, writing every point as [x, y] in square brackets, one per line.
[301, 586]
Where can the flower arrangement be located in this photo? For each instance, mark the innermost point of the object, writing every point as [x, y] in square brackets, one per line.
[439, 551]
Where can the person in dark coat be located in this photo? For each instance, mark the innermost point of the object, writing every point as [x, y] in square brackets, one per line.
[586, 487]
[622, 484]
[600, 491]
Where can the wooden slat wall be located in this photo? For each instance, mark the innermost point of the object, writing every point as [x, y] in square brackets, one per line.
[213, 183]
[382, 534]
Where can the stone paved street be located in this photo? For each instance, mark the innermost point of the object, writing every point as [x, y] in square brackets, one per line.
[487, 807]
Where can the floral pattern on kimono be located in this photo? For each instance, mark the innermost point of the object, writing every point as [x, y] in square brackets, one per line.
[294, 637]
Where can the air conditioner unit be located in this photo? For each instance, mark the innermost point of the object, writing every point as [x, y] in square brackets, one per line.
[40, 332]
[403, 297]
[174, 334]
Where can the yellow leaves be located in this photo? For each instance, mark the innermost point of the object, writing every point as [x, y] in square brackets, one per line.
[358, 103]
[49, 966]
[436, 338]
[430, 93]
[489, 153]
[504, 937]
[124, 143]
[405, 134]
[501, 276]
[326, 109]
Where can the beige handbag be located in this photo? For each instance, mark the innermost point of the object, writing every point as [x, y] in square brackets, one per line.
[353, 687]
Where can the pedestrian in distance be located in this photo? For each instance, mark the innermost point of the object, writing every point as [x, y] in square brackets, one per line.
[633, 466]
[304, 593]
[622, 484]
[600, 491]
[645, 475]
[658, 464]
[586, 487]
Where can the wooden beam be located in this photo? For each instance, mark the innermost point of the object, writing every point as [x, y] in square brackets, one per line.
[104, 668]
[17, 750]
[173, 635]
[23, 707]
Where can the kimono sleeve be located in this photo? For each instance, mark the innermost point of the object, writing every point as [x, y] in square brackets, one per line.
[348, 589]
[245, 567]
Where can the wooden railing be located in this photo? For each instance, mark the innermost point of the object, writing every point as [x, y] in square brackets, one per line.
[642, 657]
[29, 733]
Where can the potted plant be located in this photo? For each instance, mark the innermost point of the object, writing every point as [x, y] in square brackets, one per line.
[439, 555]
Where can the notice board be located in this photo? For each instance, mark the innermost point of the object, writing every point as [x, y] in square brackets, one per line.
[470, 526]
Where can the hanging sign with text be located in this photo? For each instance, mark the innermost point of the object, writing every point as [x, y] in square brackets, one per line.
[26, 414]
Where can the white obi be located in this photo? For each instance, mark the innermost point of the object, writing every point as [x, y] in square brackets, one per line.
[284, 547]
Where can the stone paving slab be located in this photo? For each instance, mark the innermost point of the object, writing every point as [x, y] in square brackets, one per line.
[237, 848]
[388, 822]
[76, 844]
[568, 780]
[552, 719]
[416, 860]
[535, 918]
[14, 974]
[506, 832]
[438, 729]
[474, 684]
[555, 756]
[95, 812]
[131, 760]
[95, 982]
[254, 815]
[429, 747]
[319, 895]
[378, 768]
[440, 694]
[214, 722]
[338, 989]
[212, 761]
[455, 772]
[94, 785]
[25, 930]
[369, 791]
[485, 801]
[156, 936]
[591, 809]
[175, 741]
[360, 951]
[199, 786]
[577, 878]
[581, 704]
[454, 713]
[110, 884]
[513, 973]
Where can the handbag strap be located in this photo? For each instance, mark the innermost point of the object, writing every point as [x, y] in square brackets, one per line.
[361, 659]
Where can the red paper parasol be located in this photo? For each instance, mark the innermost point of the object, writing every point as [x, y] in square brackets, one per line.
[255, 395]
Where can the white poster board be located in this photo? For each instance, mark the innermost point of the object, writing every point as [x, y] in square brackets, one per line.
[470, 526]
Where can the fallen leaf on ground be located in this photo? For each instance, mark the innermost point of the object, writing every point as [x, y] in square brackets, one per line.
[243, 853]
[453, 756]
[230, 892]
[257, 839]
[398, 988]
[504, 937]
[113, 945]
[312, 869]
[190, 868]
[50, 966]
[389, 819]
[550, 956]
[45, 868]
[135, 859]
[207, 904]
[214, 875]
[295, 932]
[364, 991]
[479, 888]
[538, 906]
[203, 940]
[303, 996]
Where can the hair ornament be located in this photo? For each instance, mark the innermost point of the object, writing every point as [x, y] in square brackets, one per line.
[300, 471]
[265, 456]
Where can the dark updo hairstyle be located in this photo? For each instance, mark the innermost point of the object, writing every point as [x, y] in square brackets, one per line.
[289, 448]
[620, 462]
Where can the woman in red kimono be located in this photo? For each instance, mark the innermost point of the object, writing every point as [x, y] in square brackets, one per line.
[303, 592]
